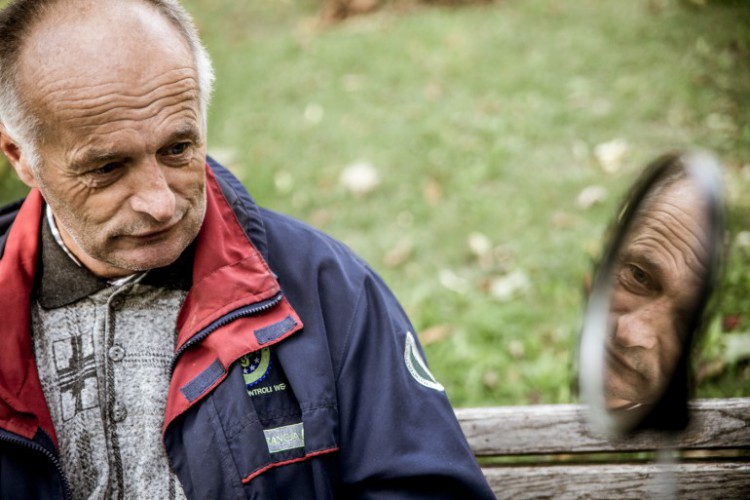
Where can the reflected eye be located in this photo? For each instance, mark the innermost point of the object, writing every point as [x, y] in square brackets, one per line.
[639, 275]
[636, 280]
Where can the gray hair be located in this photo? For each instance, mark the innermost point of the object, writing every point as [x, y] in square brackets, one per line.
[17, 21]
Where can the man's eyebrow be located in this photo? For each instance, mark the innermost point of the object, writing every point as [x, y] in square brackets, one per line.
[185, 131]
[94, 156]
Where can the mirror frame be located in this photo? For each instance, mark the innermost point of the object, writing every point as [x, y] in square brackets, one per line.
[670, 413]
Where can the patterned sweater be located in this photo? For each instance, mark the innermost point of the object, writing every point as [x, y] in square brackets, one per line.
[104, 354]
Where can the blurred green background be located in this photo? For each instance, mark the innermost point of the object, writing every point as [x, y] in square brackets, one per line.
[474, 152]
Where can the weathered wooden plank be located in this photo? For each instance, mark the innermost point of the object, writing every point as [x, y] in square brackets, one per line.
[554, 429]
[699, 481]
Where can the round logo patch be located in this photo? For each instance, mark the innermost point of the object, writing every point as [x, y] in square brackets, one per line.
[255, 366]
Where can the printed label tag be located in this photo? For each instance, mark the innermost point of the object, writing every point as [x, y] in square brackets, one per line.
[285, 438]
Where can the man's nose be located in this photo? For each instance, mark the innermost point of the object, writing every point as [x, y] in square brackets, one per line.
[152, 194]
[636, 329]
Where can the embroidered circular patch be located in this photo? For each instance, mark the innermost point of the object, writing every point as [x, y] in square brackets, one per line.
[255, 366]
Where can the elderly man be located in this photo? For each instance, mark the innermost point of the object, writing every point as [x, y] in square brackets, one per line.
[659, 277]
[164, 337]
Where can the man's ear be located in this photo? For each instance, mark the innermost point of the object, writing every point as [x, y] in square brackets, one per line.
[13, 152]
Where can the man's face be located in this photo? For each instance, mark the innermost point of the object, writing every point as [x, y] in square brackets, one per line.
[656, 283]
[123, 147]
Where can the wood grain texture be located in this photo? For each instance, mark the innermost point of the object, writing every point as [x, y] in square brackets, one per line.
[699, 481]
[563, 429]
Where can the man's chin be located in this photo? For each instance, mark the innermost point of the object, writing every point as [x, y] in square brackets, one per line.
[145, 259]
[618, 404]
[622, 398]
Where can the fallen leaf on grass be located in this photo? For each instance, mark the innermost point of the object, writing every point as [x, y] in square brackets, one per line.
[433, 91]
[435, 334]
[432, 192]
[507, 287]
[610, 155]
[479, 244]
[731, 322]
[710, 370]
[352, 82]
[737, 347]
[360, 178]
[453, 282]
[590, 196]
[534, 397]
[320, 217]
[490, 379]
[562, 220]
[743, 239]
[516, 349]
[314, 113]
[283, 181]
[503, 255]
[399, 254]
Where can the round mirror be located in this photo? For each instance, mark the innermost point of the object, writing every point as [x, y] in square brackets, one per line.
[650, 294]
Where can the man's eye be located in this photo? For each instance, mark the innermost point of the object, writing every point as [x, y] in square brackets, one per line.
[105, 175]
[107, 169]
[177, 149]
[639, 275]
[636, 279]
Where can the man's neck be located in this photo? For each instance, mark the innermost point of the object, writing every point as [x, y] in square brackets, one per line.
[119, 281]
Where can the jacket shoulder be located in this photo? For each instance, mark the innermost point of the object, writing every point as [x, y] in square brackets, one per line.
[7, 216]
[291, 247]
[294, 246]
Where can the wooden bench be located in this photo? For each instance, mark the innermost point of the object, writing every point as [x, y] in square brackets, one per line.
[551, 451]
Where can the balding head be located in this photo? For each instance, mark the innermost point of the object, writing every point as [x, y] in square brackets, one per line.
[34, 33]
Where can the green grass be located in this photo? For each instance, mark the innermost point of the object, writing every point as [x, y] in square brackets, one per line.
[482, 119]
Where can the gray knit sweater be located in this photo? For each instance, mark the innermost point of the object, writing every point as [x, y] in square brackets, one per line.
[104, 355]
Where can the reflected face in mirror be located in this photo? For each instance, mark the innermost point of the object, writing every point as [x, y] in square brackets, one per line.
[657, 281]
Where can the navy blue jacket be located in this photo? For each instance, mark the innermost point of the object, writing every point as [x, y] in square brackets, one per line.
[297, 374]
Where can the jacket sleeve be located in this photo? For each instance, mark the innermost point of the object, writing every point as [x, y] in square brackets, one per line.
[399, 435]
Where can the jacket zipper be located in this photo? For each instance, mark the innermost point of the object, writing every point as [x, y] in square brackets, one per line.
[242, 312]
[26, 443]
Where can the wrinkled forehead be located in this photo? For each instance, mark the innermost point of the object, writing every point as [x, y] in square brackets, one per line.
[680, 209]
[671, 233]
[91, 43]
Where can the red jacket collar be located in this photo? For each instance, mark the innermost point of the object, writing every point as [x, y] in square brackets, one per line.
[228, 272]
[21, 398]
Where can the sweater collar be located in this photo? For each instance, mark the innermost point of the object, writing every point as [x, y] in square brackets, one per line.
[61, 281]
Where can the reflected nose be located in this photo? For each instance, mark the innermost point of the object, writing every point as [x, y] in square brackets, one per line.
[636, 329]
[152, 195]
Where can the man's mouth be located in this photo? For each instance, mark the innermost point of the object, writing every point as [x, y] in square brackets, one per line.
[155, 233]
